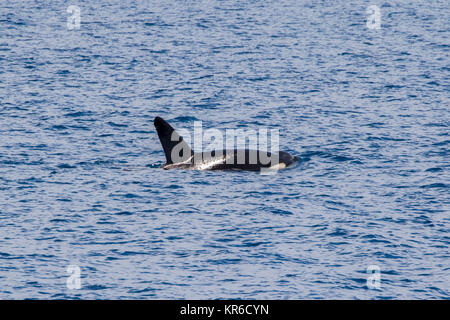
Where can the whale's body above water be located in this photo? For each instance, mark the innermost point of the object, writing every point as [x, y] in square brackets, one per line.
[180, 156]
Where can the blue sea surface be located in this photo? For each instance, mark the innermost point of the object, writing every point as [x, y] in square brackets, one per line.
[365, 110]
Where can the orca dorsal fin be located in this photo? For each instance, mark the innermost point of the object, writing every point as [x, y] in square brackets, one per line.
[170, 139]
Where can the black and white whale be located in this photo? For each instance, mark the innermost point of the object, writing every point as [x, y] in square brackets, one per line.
[180, 156]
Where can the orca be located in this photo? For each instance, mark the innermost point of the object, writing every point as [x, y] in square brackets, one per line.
[179, 155]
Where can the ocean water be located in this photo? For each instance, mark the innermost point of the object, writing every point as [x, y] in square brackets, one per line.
[366, 111]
